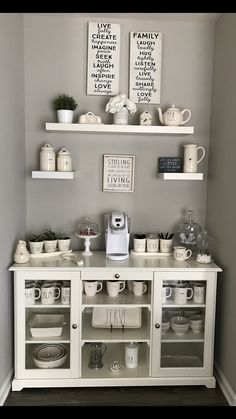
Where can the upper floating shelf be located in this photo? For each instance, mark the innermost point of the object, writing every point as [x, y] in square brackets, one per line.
[120, 129]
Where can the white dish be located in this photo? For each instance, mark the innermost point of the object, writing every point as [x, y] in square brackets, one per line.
[51, 356]
[116, 317]
[46, 255]
[46, 325]
[149, 254]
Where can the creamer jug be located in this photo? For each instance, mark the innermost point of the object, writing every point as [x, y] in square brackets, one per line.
[21, 254]
[191, 157]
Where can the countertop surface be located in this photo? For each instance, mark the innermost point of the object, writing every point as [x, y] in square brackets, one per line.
[98, 261]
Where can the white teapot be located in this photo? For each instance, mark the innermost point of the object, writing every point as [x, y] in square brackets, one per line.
[21, 254]
[173, 116]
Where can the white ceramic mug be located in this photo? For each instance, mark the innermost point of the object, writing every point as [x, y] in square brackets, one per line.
[139, 288]
[152, 245]
[166, 293]
[65, 293]
[30, 294]
[191, 157]
[181, 253]
[182, 294]
[115, 287]
[49, 293]
[198, 293]
[140, 245]
[91, 288]
[166, 245]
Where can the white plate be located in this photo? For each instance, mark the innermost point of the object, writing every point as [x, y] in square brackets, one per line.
[46, 325]
[116, 316]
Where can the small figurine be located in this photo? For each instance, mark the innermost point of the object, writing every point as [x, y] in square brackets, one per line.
[145, 118]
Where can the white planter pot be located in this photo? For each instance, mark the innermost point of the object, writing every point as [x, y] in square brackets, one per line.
[65, 116]
[36, 247]
[50, 246]
[121, 117]
[63, 244]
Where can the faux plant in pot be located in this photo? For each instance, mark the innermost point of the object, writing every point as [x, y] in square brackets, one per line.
[121, 106]
[50, 241]
[63, 242]
[36, 242]
[65, 106]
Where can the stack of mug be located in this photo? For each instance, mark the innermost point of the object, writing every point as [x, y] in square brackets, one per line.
[182, 293]
[47, 292]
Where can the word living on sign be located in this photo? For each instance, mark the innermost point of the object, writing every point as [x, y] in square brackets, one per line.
[103, 58]
[145, 67]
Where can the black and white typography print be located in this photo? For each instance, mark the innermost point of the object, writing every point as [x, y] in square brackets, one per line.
[145, 67]
[103, 58]
[118, 173]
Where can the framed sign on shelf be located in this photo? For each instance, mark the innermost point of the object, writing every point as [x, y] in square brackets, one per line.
[118, 173]
[145, 67]
[103, 58]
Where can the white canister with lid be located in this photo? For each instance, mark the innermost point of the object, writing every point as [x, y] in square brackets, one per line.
[64, 163]
[47, 158]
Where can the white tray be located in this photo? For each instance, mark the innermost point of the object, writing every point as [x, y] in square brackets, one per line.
[46, 325]
[44, 254]
[149, 253]
[116, 317]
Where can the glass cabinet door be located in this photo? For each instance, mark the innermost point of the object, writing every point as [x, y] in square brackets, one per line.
[183, 317]
[47, 325]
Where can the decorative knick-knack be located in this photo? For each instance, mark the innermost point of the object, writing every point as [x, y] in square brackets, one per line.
[21, 254]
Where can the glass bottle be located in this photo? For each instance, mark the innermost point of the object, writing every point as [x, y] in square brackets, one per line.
[203, 248]
[188, 232]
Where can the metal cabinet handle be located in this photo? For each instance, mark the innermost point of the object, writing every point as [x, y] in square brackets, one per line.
[157, 326]
[117, 276]
[74, 326]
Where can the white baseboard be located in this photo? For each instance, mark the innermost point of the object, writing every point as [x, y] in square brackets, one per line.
[225, 387]
[5, 388]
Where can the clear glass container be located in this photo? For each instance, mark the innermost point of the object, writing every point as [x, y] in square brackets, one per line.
[87, 228]
[203, 247]
[188, 232]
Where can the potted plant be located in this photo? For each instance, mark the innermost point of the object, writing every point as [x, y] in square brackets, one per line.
[120, 106]
[36, 242]
[63, 242]
[50, 241]
[65, 106]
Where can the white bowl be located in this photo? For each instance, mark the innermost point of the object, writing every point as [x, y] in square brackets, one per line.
[165, 324]
[49, 356]
[179, 324]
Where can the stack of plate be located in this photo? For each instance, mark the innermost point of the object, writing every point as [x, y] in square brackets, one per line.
[50, 355]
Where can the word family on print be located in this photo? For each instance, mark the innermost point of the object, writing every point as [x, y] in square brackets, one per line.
[103, 58]
[145, 67]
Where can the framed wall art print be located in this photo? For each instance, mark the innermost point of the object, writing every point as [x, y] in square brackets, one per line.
[118, 173]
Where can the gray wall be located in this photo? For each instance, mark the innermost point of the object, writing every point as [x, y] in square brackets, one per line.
[221, 199]
[55, 62]
[12, 179]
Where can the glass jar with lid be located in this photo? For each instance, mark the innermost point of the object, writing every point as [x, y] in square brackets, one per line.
[188, 232]
[87, 228]
[203, 247]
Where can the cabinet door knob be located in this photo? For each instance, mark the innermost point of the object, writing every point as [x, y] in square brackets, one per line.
[74, 326]
[157, 326]
[117, 276]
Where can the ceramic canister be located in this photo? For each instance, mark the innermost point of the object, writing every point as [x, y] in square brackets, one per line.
[64, 163]
[47, 158]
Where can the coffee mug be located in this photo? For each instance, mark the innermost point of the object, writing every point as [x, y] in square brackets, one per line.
[166, 245]
[182, 294]
[115, 287]
[166, 293]
[92, 287]
[139, 288]
[181, 253]
[30, 291]
[49, 293]
[65, 293]
[152, 244]
[198, 293]
[140, 245]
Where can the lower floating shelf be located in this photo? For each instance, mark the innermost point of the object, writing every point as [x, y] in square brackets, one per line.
[54, 175]
[181, 176]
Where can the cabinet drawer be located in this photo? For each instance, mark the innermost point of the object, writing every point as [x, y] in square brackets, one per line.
[116, 274]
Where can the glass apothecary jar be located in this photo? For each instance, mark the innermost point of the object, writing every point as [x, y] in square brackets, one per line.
[188, 232]
[204, 247]
[88, 228]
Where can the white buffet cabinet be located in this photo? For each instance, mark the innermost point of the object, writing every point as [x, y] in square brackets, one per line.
[163, 358]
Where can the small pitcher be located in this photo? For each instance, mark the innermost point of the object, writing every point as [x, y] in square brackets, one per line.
[97, 352]
[191, 157]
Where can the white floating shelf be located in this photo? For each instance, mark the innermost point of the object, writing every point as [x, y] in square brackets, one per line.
[122, 129]
[54, 175]
[181, 176]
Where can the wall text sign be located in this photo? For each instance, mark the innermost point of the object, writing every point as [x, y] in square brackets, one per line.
[118, 173]
[145, 67]
[103, 58]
